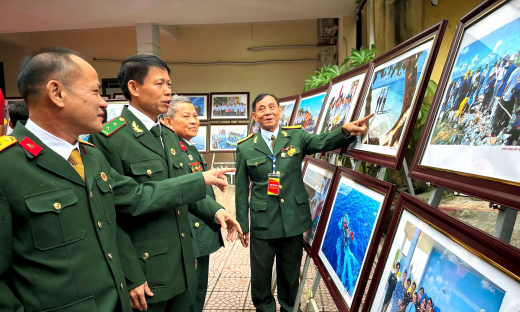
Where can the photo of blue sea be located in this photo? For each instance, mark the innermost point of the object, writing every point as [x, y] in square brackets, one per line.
[312, 105]
[346, 253]
[393, 83]
[453, 288]
[200, 139]
[198, 102]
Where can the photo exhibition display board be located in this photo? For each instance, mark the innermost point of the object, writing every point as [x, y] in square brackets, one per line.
[349, 232]
[451, 266]
[200, 101]
[229, 106]
[308, 109]
[471, 138]
[224, 138]
[395, 93]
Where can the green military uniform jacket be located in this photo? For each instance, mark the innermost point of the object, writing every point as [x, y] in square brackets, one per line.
[205, 240]
[58, 248]
[161, 241]
[288, 214]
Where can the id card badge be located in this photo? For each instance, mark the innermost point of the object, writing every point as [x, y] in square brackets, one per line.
[273, 185]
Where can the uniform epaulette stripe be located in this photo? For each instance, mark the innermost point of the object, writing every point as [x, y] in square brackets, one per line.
[113, 125]
[246, 138]
[292, 127]
[86, 143]
[6, 141]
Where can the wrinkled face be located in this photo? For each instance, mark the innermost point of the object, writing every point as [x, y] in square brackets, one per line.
[83, 105]
[267, 113]
[186, 122]
[154, 95]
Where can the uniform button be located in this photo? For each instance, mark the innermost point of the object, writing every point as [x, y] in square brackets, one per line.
[121, 286]
[110, 256]
[145, 256]
[182, 165]
[100, 224]
[57, 206]
[149, 171]
[197, 224]
[277, 172]
[178, 212]
[280, 186]
[282, 200]
[256, 164]
[182, 234]
[110, 186]
[91, 194]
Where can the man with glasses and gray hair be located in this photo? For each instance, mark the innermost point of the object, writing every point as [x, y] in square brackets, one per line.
[182, 117]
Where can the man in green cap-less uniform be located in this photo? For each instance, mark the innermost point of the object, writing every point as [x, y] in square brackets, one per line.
[59, 197]
[182, 117]
[145, 149]
[279, 204]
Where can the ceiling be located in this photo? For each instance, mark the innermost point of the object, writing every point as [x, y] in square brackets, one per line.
[47, 15]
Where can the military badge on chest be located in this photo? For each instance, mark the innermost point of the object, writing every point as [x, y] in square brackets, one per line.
[287, 151]
[195, 167]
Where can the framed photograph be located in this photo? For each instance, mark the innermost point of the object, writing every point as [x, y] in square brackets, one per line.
[395, 93]
[9, 101]
[229, 105]
[105, 97]
[200, 101]
[201, 140]
[118, 96]
[432, 262]
[308, 109]
[471, 138]
[224, 138]
[253, 126]
[343, 98]
[287, 104]
[114, 108]
[349, 233]
[317, 178]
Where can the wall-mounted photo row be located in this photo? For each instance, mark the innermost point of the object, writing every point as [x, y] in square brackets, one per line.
[345, 92]
[349, 233]
[395, 93]
[226, 106]
[471, 139]
[224, 138]
[432, 262]
[317, 178]
[200, 101]
[115, 107]
[287, 104]
[307, 110]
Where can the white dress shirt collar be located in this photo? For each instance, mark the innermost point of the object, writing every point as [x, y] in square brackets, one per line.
[189, 142]
[267, 134]
[147, 122]
[59, 146]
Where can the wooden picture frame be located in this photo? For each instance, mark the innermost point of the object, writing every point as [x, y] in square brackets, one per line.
[201, 140]
[201, 103]
[316, 185]
[362, 203]
[384, 144]
[455, 264]
[287, 110]
[106, 97]
[220, 143]
[316, 99]
[228, 114]
[119, 97]
[478, 165]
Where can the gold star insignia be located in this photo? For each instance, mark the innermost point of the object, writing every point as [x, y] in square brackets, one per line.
[115, 124]
[121, 119]
[136, 127]
[108, 128]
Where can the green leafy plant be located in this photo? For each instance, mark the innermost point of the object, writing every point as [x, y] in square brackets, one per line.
[423, 115]
[360, 57]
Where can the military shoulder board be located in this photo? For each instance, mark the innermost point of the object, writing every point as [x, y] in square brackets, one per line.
[113, 125]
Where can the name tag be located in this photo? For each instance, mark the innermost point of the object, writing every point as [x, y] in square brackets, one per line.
[273, 185]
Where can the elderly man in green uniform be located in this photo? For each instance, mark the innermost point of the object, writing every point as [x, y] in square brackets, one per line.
[139, 145]
[182, 117]
[271, 160]
[59, 196]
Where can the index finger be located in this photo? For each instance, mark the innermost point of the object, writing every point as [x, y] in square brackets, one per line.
[224, 170]
[367, 117]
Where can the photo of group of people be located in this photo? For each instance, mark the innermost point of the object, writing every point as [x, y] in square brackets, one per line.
[427, 271]
[479, 114]
[232, 106]
[317, 182]
[390, 96]
[225, 137]
[348, 234]
[287, 110]
[309, 111]
[341, 101]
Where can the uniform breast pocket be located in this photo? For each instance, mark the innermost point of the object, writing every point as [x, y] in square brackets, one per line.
[145, 168]
[259, 215]
[302, 201]
[153, 255]
[257, 168]
[292, 160]
[105, 185]
[54, 218]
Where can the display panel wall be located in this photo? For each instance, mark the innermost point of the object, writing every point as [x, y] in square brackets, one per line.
[470, 142]
[395, 93]
[348, 234]
[457, 267]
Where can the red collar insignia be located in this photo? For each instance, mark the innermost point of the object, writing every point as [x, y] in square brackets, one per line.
[33, 148]
[183, 147]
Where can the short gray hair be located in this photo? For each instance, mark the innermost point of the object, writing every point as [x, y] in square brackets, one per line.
[176, 99]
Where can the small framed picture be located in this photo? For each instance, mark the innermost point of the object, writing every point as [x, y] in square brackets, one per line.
[200, 101]
[308, 109]
[9, 101]
[229, 105]
[118, 96]
[224, 138]
[317, 179]
[287, 104]
[349, 233]
[201, 140]
[114, 108]
[433, 262]
[254, 126]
